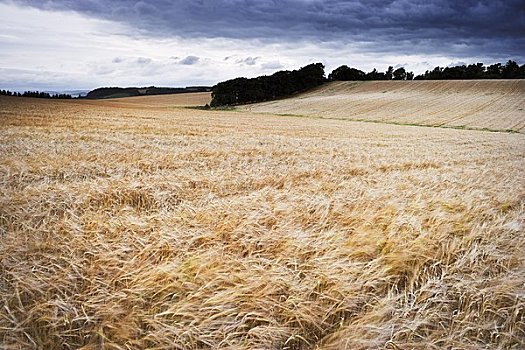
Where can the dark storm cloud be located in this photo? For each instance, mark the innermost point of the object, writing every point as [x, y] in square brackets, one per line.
[469, 27]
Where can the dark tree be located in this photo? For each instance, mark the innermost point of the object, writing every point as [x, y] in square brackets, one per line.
[375, 75]
[399, 74]
[494, 71]
[38, 94]
[475, 71]
[263, 88]
[117, 92]
[7, 93]
[389, 73]
[511, 70]
[345, 73]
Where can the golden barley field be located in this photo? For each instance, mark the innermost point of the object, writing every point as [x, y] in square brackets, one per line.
[155, 101]
[471, 104]
[137, 224]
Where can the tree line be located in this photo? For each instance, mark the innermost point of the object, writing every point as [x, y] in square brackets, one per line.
[510, 70]
[264, 88]
[346, 73]
[116, 92]
[35, 94]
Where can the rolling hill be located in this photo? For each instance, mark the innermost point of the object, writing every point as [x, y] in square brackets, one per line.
[154, 101]
[117, 92]
[497, 105]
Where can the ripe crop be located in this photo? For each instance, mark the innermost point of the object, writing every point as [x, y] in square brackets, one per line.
[134, 224]
[469, 104]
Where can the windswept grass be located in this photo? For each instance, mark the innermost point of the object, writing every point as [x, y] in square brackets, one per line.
[154, 228]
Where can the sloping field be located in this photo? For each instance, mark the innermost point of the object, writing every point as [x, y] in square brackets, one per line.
[152, 228]
[477, 104]
[160, 101]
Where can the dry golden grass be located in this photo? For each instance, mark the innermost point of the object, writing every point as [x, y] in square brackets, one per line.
[165, 228]
[475, 104]
[155, 101]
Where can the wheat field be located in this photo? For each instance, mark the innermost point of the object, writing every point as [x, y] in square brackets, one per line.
[155, 101]
[137, 224]
[497, 105]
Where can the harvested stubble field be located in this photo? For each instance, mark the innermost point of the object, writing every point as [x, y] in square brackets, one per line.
[129, 227]
[471, 104]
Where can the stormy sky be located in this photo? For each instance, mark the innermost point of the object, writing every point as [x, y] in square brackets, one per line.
[83, 44]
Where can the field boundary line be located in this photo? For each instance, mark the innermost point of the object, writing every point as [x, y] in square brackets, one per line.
[456, 127]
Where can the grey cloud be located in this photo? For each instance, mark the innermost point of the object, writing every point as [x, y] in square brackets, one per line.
[461, 28]
[138, 61]
[400, 65]
[272, 65]
[249, 61]
[460, 63]
[143, 60]
[101, 69]
[26, 79]
[189, 60]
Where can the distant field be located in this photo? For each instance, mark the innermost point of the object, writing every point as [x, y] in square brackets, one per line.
[133, 224]
[477, 104]
[162, 101]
